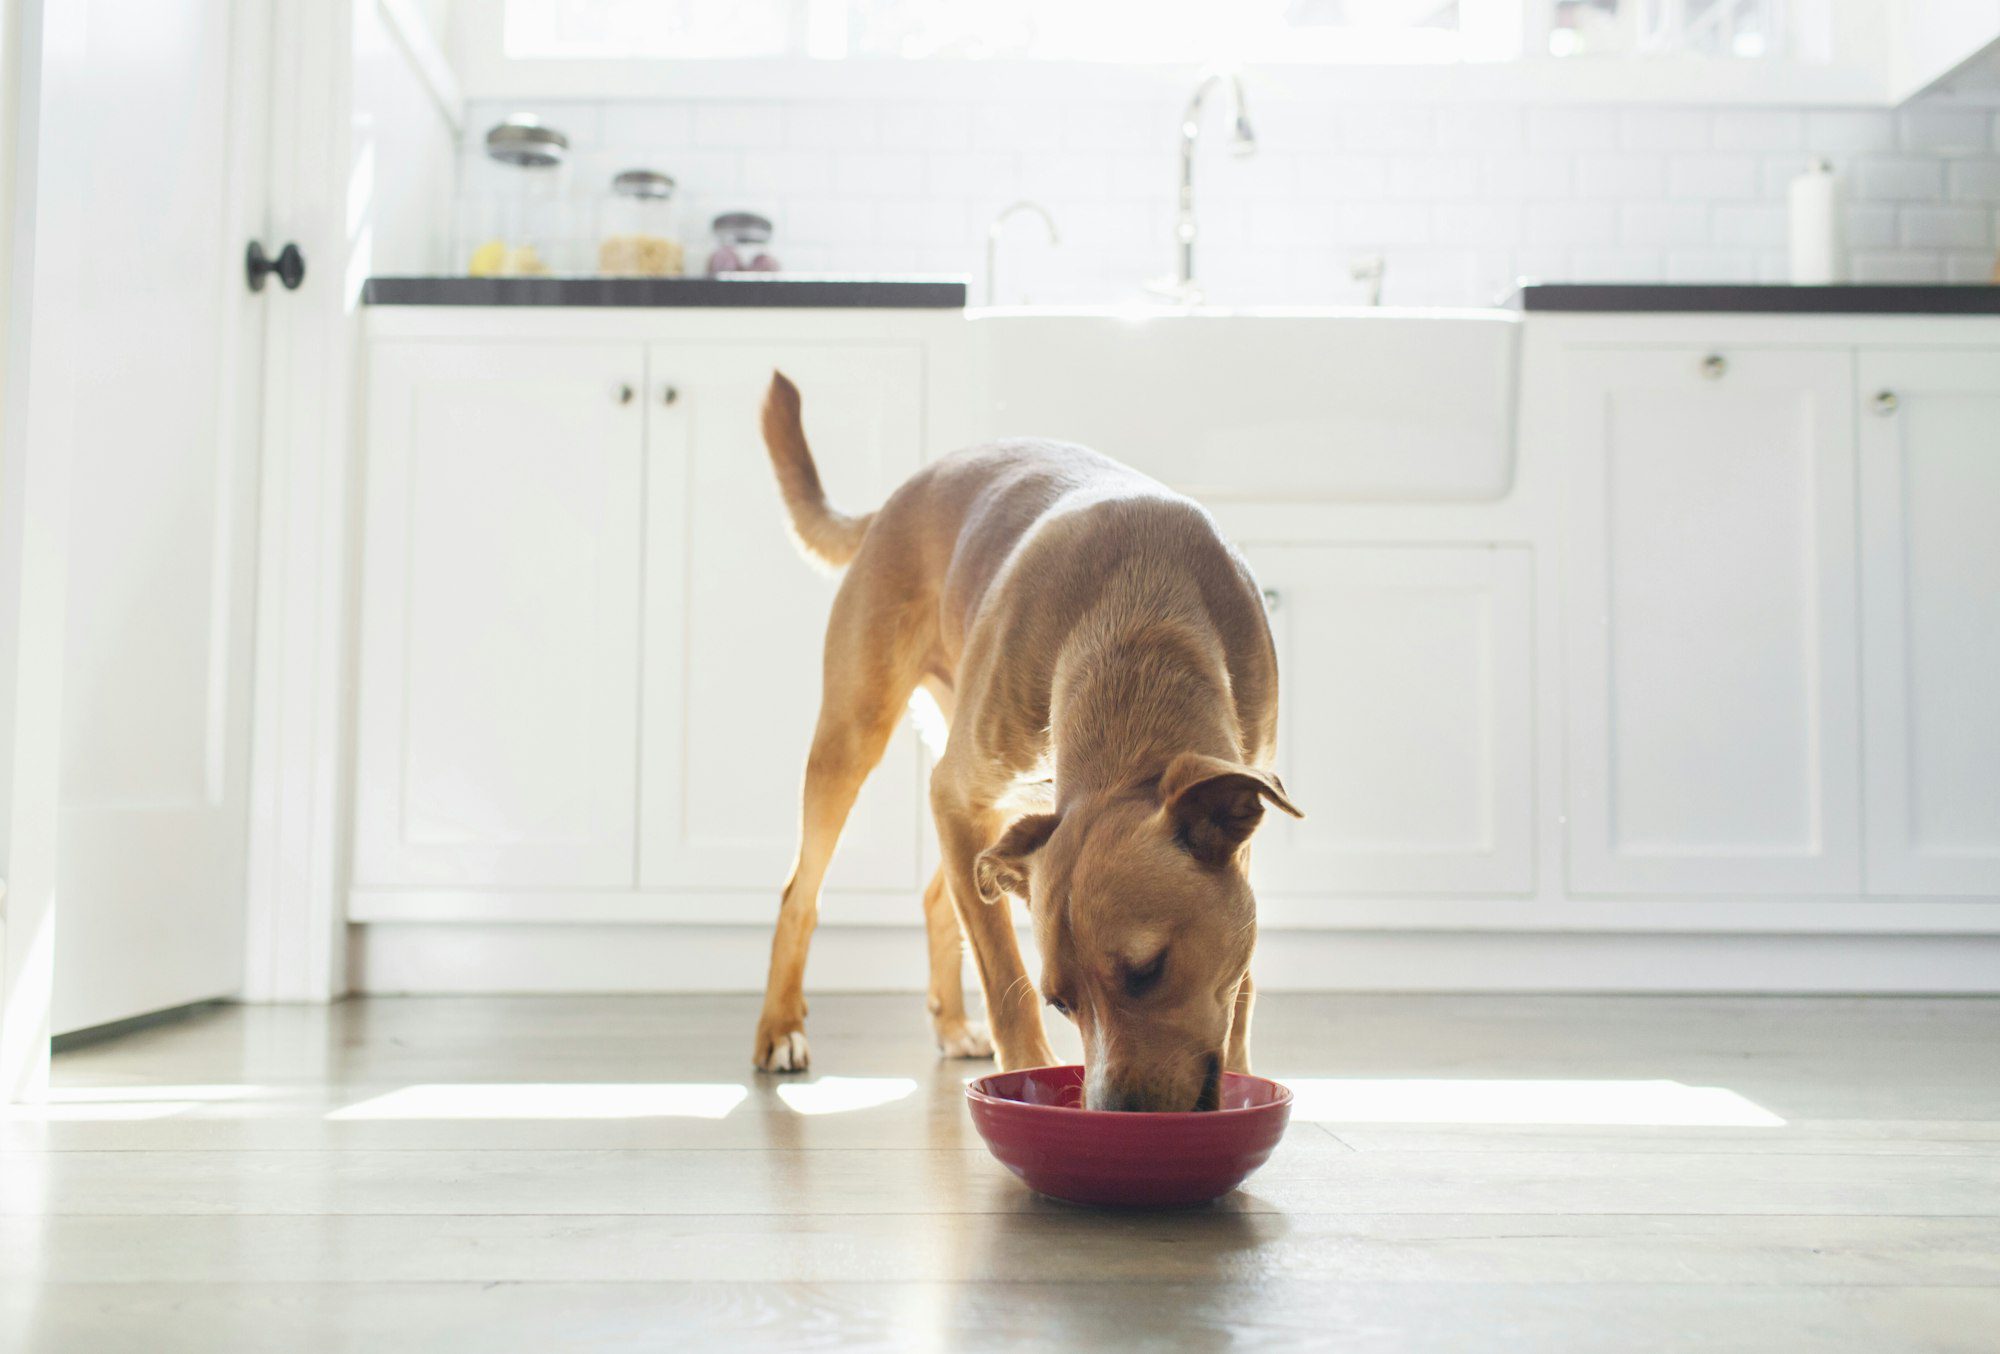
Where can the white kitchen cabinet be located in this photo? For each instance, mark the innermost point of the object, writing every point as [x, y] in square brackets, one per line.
[1405, 728]
[1930, 629]
[499, 665]
[1709, 620]
[735, 618]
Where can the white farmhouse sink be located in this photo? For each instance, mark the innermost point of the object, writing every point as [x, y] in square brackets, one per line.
[1332, 405]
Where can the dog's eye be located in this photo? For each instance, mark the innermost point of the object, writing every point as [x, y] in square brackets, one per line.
[1144, 978]
[1058, 1005]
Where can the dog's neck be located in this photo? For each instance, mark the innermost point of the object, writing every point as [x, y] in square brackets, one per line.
[1131, 691]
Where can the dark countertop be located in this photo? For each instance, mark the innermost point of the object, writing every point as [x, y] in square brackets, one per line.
[1845, 298]
[819, 293]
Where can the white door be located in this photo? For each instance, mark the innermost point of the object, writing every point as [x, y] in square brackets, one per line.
[164, 181]
[735, 618]
[1709, 622]
[1406, 725]
[1930, 618]
[499, 669]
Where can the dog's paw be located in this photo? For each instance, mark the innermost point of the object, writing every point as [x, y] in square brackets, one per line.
[967, 1040]
[782, 1051]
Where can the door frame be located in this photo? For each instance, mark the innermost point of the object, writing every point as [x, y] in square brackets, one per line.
[34, 542]
[295, 944]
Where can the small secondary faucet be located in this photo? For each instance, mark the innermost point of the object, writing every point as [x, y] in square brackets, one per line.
[1242, 143]
[1000, 219]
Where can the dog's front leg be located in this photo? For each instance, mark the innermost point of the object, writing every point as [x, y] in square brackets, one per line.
[1238, 1056]
[1013, 1005]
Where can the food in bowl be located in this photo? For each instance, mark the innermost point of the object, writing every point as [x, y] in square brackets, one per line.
[1034, 1122]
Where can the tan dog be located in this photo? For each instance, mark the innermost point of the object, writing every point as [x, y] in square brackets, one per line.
[1101, 655]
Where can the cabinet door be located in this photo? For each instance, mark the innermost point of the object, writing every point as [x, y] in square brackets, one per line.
[1930, 606]
[1709, 622]
[735, 619]
[1405, 723]
[500, 616]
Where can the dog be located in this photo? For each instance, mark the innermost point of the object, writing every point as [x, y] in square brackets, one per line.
[1104, 667]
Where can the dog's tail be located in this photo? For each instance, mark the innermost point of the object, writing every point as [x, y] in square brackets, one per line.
[825, 535]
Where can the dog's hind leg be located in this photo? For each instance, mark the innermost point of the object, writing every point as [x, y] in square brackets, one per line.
[868, 679]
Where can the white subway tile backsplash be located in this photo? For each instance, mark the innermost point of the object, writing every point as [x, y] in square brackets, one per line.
[1871, 265]
[1527, 176]
[1480, 127]
[1572, 223]
[1663, 223]
[1460, 198]
[1572, 128]
[1711, 265]
[1970, 267]
[1477, 223]
[1974, 180]
[1870, 227]
[1752, 227]
[1428, 177]
[1944, 227]
[1620, 175]
[923, 126]
[738, 125]
[1945, 131]
[1906, 179]
[1758, 129]
[1840, 133]
[1714, 176]
[1381, 224]
[1616, 265]
[1387, 127]
[1663, 128]
[1346, 177]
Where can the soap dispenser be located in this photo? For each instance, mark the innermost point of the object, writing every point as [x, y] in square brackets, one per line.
[1814, 202]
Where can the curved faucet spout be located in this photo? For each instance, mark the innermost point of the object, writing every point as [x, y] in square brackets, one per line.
[1242, 143]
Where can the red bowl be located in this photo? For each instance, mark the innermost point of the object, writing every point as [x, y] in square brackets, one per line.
[1034, 1122]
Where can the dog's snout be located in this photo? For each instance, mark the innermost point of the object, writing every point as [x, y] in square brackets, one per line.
[1211, 1085]
[1197, 1087]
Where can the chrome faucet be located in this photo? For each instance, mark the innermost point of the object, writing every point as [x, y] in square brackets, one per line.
[1242, 143]
[1000, 219]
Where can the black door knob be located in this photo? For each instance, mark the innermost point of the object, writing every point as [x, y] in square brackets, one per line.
[290, 266]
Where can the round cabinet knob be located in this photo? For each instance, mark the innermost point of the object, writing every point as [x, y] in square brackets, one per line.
[1885, 403]
[1715, 366]
[670, 395]
[1270, 599]
[625, 393]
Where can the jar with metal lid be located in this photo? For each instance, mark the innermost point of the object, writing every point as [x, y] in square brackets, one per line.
[741, 240]
[636, 236]
[522, 222]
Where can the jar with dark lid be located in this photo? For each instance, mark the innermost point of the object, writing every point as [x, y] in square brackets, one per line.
[740, 240]
[521, 221]
[636, 235]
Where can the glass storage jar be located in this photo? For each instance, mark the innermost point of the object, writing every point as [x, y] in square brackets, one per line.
[741, 240]
[636, 227]
[522, 219]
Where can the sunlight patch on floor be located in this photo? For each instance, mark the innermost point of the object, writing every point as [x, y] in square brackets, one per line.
[837, 1095]
[92, 1104]
[1652, 1104]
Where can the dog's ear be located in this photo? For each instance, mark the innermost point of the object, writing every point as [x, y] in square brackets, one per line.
[1003, 867]
[1215, 805]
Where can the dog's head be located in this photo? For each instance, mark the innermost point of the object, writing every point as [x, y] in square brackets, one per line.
[1145, 921]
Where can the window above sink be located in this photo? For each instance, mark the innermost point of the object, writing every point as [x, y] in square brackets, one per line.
[1696, 51]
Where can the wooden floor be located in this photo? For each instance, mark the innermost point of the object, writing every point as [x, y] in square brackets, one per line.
[1768, 1175]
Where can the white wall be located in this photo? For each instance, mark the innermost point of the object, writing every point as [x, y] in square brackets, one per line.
[1461, 198]
[404, 147]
